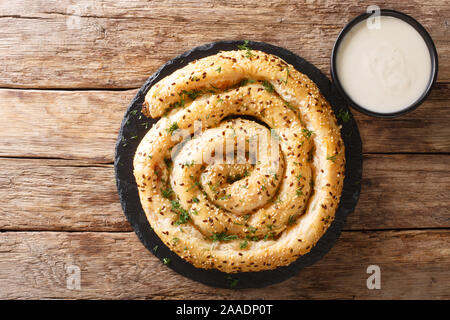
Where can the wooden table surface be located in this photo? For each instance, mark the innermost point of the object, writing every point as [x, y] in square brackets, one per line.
[68, 71]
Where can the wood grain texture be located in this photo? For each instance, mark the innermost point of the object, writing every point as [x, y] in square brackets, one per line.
[42, 194]
[414, 265]
[60, 205]
[118, 44]
[84, 125]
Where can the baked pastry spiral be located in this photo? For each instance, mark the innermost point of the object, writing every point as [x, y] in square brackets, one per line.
[245, 167]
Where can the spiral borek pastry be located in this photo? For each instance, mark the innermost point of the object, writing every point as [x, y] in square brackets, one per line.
[245, 168]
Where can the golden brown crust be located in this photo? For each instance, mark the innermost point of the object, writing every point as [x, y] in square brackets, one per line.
[270, 212]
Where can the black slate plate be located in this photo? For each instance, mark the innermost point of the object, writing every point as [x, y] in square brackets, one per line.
[134, 127]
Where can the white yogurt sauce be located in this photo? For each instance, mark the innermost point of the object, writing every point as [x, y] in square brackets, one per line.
[383, 70]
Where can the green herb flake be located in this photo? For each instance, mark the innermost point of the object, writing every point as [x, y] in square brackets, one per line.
[268, 86]
[233, 282]
[291, 220]
[344, 115]
[183, 215]
[243, 244]
[192, 94]
[189, 163]
[246, 47]
[332, 158]
[172, 128]
[287, 76]
[225, 197]
[252, 229]
[166, 261]
[307, 133]
[223, 236]
[166, 193]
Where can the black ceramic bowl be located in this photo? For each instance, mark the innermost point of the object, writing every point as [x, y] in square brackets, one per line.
[428, 41]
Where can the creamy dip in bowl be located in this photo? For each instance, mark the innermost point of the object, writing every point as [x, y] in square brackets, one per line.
[384, 66]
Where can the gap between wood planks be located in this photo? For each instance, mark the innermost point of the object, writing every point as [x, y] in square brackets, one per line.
[437, 83]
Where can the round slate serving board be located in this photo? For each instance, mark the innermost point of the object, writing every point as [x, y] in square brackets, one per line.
[135, 126]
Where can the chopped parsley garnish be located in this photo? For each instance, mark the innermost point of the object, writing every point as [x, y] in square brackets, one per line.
[166, 261]
[195, 200]
[243, 244]
[332, 158]
[268, 86]
[179, 104]
[155, 248]
[243, 82]
[223, 236]
[299, 176]
[172, 128]
[246, 217]
[183, 215]
[307, 133]
[225, 197]
[192, 94]
[245, 47]
[167, 193]
[175, 240]
[344, 115]
[219, 69]
[252, 229]
[291, 220]
[290, 106]
[299, 192]
[189, 163]
[287, 76]
[233, 282]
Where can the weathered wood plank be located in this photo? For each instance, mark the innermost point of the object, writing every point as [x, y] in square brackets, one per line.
[84, 125]
[61, 124]
[59, 195]
[118, 44]
[403, 191]
[414, 265]
[398, 191]
[424, 130]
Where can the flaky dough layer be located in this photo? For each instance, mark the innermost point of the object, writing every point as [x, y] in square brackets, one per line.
[238, 217]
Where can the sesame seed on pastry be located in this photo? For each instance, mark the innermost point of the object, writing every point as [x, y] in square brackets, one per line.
[205, 196]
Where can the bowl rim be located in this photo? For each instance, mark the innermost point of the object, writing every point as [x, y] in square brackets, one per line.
[428, 41]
